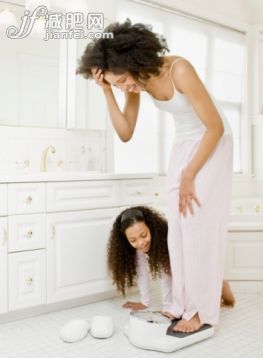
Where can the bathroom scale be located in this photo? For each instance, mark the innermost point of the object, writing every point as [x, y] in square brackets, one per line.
[153, 331]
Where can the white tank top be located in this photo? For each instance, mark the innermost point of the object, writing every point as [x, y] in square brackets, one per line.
[188, 125]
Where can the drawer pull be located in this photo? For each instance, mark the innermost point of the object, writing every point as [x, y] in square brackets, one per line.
[53, 232]
[240, 209]
[139, 192]
[29, 200]
[156, 194]
[29, 234]
[29, 281]
[257, 208]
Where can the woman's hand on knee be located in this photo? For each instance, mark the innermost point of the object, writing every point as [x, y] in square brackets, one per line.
[134, 305]
[187, 196]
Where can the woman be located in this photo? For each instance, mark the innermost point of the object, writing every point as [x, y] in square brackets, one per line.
[200, 170]
[137, 245]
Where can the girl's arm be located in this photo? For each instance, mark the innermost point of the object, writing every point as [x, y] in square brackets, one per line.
[187, 81]
[123, 121]
[143, 283]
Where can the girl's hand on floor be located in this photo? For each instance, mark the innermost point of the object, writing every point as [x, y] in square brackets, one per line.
[168, 315]
[187, 195]
[134, 305]
[99, 78]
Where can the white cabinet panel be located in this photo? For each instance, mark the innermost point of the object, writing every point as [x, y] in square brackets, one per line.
[26, 198]
[27, 279]
[135, 192]
[26, 232]
[80, 195]
[76, 253]
[3, 265]
[244, 256]
[3, 199]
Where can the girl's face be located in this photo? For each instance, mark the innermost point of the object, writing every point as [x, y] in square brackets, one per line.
[124, 82]
[139, 236]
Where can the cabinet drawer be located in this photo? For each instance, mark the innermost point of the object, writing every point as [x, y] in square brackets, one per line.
[3, 199]
[26, 198]
[82, 195]
[135, 192]
[159, 190]
[27, 279]
[26, 232]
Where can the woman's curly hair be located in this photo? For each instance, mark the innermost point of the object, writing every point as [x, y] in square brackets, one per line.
[122, 259]
[132, 48]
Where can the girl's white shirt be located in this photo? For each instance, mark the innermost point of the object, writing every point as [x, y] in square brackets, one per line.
[144, 283]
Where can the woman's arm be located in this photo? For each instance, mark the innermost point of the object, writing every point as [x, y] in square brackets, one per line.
[123, 122]
[187, 81]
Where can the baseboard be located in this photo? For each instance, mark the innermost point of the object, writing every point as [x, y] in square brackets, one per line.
[54, 307]
[246, 286]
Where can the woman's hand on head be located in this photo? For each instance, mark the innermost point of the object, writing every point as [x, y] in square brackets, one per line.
[99, 78]
[134, 305]
[187, 195]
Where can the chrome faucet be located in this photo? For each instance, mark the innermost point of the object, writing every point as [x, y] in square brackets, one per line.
[44, 157]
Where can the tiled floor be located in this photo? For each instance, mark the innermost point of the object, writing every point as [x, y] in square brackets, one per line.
[240, 334]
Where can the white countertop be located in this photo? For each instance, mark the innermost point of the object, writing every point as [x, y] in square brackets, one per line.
[68, 176]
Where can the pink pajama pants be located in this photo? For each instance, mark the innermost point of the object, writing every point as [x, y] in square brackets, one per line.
[197, 243]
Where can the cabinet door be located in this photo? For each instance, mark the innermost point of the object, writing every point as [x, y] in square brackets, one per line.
[3, 265]
[3, 199]
[244, 256]
[86, 105]
[76, 253]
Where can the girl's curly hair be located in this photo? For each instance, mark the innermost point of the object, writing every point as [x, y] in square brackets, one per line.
[122, 260]
[132, 48]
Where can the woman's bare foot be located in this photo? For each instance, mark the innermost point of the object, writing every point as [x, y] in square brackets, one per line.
[188, 326]
[227, 297]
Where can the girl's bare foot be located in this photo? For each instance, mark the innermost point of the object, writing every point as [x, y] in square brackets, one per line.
[188, 326]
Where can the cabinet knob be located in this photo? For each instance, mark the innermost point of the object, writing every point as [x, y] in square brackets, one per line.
[240, 209]
[139, 192]
[257, 208]
[29, 234]
[29, 281]
[29, 200]
[156, 194]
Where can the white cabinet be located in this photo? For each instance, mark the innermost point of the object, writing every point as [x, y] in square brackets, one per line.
[76, 253]
[27, 279]
[3, 265]
[53, 240]
[244, 255]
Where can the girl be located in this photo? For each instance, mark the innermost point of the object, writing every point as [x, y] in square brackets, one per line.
[200, 171]
[137, 245]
